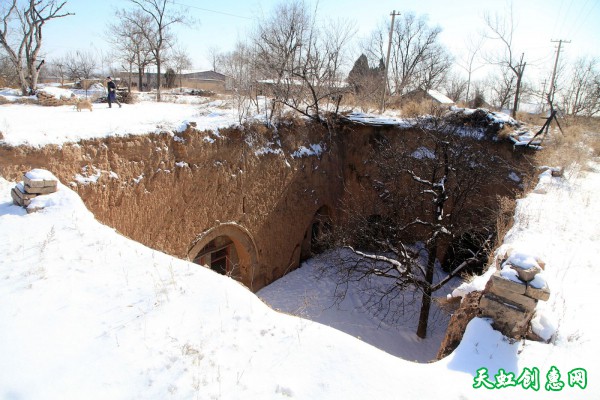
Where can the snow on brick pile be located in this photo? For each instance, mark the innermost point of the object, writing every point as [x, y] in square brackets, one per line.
[54, 92]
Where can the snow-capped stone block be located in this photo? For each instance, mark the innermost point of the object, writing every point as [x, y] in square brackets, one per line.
[35, 183]
[538, 288]
[526, 265]
[40, 178]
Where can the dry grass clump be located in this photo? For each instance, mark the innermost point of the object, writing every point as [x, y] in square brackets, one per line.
[413, 109]
[579, 143]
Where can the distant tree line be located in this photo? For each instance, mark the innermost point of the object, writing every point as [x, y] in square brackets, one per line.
[301, 60]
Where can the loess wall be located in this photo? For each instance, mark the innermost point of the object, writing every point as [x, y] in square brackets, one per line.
[176, 193]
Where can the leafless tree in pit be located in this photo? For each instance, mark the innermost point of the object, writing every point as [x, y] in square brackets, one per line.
[162, 15]
[502, 29]
[299, 61]
[431, 195]
[21, 35]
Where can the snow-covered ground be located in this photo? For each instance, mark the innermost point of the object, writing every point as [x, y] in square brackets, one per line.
[38, 126]
[310, 292]
[87, 313]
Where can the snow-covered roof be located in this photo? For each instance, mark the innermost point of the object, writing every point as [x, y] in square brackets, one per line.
[442, 98]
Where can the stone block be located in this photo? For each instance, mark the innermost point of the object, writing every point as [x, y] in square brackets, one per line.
[521, 300]
[539, 294]
[509, 318]
[526, 274]
[501, 284]
[41, 189]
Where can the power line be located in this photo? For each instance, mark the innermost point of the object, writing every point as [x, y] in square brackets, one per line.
[212, 11]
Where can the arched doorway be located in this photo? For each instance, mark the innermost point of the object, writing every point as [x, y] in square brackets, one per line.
[228, 249]
[316, 233]
[221, 256]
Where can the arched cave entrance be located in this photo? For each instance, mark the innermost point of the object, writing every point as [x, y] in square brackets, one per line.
[228, 249]
[316, 233]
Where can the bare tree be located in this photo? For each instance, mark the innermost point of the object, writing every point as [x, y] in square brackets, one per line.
[468, 61]
[455, 87]
[180, 61]
[502, 88]
[502, 29]
[581, 96]
[58, 68]
[240, 64]
[23, 43]
[417, 58]
[80, 65]
[300, 61]
[162, 16]
[215, 56]
[430, 194]
[129, 36]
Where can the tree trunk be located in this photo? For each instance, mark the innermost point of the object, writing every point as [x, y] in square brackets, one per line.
[158, 80]
[426, 301]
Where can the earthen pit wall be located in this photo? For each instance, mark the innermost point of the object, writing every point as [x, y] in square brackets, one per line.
[273, 196]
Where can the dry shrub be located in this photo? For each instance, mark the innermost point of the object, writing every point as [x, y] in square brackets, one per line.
[504, 221]
[504, 132]
[529, 118]
[414, 109]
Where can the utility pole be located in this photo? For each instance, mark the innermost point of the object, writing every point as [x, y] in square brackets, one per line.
[551, 90]
[387, 62]
[543, 95]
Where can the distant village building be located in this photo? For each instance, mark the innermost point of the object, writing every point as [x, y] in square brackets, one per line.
[420, 95]
[200, 80]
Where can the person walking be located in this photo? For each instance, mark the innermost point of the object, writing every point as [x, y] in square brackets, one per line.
[112, 92]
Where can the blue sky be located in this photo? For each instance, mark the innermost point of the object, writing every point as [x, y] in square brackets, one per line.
[223, 22]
